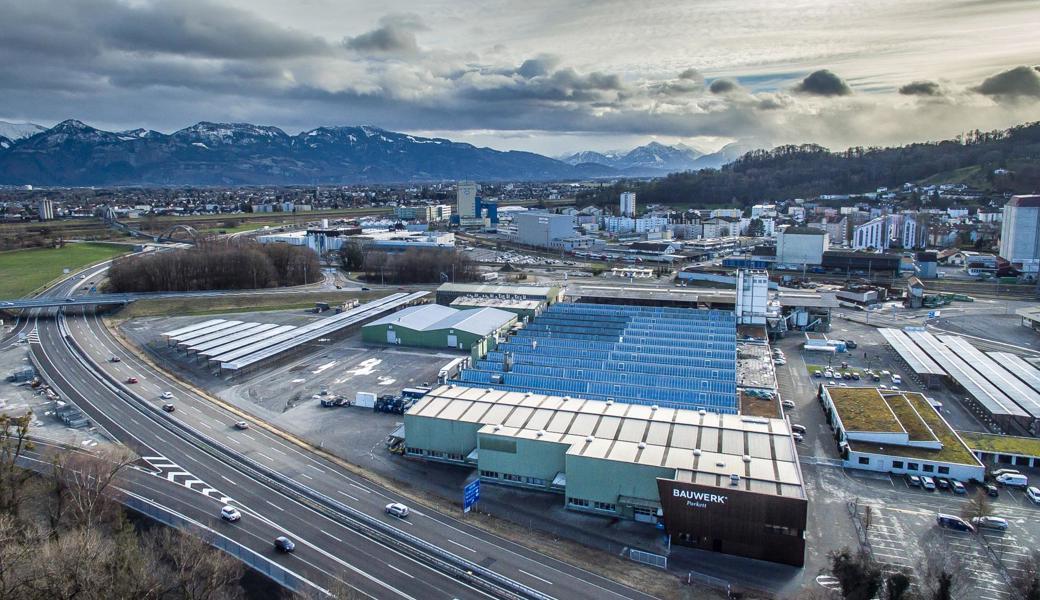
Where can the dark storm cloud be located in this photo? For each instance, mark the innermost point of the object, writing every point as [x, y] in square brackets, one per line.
[1014, 83]
[723, 86]
[921, 88]
[395, 35]
[823, 83]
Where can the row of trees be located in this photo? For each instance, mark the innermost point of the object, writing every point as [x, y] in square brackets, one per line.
[413, 265]
[216, 266]
[809, 170]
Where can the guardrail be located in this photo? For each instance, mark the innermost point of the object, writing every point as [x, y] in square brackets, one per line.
[250, 558]
[438, 558]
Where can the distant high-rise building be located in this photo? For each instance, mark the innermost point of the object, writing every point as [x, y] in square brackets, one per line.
[1020, 233]
[467, 200]
[628, 204]
[45, 208]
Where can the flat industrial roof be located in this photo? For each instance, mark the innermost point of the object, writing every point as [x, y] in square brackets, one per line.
[433, 317]
[491, 288]
[918, 360]
[1001, 444]
[881, 411]
[705, 447]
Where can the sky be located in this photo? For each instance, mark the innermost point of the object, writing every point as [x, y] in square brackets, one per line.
[549, 76]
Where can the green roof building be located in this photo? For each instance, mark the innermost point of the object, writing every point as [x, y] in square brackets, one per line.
[436, 326]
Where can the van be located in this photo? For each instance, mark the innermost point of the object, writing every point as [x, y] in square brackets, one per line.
[953, 522]
[1033, 494]
[1013, 480]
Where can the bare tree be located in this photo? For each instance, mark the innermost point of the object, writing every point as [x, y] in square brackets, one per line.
[198, 571]
[82, 484]
[1027, 579]
[978, 506]
[858, 574]
[943, 575]
[14, 442]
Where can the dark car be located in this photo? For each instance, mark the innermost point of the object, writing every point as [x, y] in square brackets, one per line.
[366, 289]
[846, 375]
[850, 344]
[855, 376]
[954, 522]
[913, 480]
[992, 491]
[943, 483]
[168, 407]
[284, 544]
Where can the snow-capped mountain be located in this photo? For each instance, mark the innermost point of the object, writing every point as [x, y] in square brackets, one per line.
[16, 131]
[653, 158]
[73, 153]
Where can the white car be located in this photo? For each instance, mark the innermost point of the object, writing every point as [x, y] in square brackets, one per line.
[166, 395]
[230, 513]
[397, 509]
[1033, 493]
[788, 404]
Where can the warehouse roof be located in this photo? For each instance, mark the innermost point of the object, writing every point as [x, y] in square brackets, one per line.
[505, 290]
[433, 317]
[701, 447]
[1001, 444]
[501, 303]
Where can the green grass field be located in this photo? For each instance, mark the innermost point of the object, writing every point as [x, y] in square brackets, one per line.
[22, 271]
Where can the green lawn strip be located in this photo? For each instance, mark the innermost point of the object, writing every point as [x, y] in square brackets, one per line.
[23, 271]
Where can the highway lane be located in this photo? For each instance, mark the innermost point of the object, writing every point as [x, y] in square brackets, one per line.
[355, 559]
[544, 573]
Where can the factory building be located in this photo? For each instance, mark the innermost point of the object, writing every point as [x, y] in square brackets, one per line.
[543, 229]
[435, 326]
[896, 432]
[525, 309]
[798, 246]
[723, 483]
[448, 292]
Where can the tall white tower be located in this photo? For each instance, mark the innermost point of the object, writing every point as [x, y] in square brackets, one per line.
[752, 297]
[628, 204]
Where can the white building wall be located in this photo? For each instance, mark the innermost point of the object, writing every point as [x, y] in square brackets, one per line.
[466, 199]
[1020, 236]
[801, 249]
[752, 296]
[541, 228]
[872, 234]
[628, 204]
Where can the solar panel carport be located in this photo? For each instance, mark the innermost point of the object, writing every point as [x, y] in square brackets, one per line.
[176, 339]
[221, 340]
[229, 346]
[217, 335]
[916, 359]
[986, 398]
[271, 348]
[191, 328]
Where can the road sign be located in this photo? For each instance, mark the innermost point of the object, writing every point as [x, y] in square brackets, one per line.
[470, 495]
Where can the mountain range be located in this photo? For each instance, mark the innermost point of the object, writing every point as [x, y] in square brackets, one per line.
[656, 158]
[75, 154]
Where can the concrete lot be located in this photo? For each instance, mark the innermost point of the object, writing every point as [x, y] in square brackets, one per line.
[16, 399]
[902, 532]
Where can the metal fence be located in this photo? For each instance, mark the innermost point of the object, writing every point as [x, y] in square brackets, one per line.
[648, 558]
[709, 581]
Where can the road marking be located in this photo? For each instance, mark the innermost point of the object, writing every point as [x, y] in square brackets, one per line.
[461, 546]
[409, 575]
[275, 505]
[234, 440]
[249, 436]
[360, 487]
[277, 450]
[228, 480]
[331, 536]
[307, 476]
[204, 424]
[316, 468]
[535, 576]
[265, 456]
[348, 496]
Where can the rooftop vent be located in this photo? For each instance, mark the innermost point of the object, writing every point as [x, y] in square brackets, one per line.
[497, 427]
[654, 407]
[589, 438]
[566, 398]
[491, 389]
[642, 445]
[747, 458]
[540, 433]
[609, 402]
[702, 411]
[720, 464]
[451, 387]
[696, 451]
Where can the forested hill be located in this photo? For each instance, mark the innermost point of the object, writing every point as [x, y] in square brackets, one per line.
[809, 170]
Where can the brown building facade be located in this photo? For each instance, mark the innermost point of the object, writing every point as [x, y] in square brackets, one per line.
[735, 521]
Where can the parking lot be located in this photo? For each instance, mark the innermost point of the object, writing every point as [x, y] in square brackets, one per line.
[901, 531]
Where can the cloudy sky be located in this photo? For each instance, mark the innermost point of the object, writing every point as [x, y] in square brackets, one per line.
[550, 76]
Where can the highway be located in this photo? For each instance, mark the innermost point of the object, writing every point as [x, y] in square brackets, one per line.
[197, 449]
